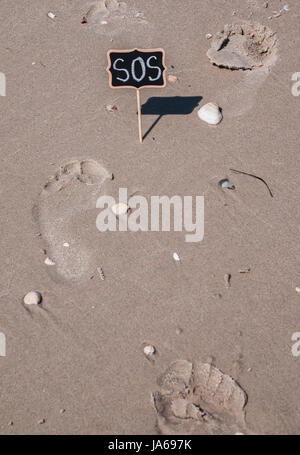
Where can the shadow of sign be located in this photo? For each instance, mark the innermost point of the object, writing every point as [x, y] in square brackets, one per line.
[172, 105]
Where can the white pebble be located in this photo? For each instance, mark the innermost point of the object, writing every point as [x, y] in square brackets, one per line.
[103, 22]
[149, 350]
[49, 261]
[297, 289]
[210, 113]
[176, 257]
[208, 36]
[286, 7]
[66, 244]
[33, 298]
[120, 209]
[51, 15]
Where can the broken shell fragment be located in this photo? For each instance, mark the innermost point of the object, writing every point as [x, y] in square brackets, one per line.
[33, 298]
[120, 209]
[176, 257]
[111, 108]
[210, 113]
[49, 261]
[245, 270]
[149, 350]
[51, 15]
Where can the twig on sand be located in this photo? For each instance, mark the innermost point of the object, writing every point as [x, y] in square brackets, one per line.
[256, 177]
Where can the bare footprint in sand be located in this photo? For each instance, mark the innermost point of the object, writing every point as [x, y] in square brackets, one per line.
[248, 47]
[197, 398]
[111, 17]
[66, 217]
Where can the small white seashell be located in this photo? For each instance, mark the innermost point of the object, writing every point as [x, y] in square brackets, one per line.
[176, 257]
[66, 244]
[120, 209]
[49, 261]
[210, 113]
[51, 15]
[33, 298]
[149, 350]
[103, 22]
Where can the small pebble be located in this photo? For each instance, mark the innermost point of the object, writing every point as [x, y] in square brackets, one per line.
[66, 244]
[179, 331]
[83, 20]
[149, 350]
[225, 183]
[286, 7]
[40, 422]
[33, 298]
[208, 36]
[10, 423]
[51, 15]
[103, 22]
[172, 78]
[176, 257]
[297, 289]
[62, 411]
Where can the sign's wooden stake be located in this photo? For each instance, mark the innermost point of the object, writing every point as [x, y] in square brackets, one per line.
[138, 99]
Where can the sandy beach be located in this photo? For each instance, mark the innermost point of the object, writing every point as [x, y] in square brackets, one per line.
[224, 319]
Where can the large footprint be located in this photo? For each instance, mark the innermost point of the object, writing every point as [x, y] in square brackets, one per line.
[197, 398]
[112, 16]
[248, 47]
[66, 214]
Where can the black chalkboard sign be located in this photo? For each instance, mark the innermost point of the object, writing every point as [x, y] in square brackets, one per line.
[136, 68]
